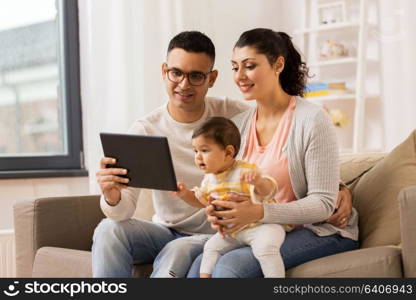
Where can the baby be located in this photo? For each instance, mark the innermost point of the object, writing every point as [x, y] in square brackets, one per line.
[216, 144]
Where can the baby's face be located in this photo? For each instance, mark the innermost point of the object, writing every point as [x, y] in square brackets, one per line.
[209, 157]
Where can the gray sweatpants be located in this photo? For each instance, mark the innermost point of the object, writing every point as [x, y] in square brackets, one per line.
[265, 241]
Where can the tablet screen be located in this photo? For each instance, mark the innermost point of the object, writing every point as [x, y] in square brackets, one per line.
[146, 158]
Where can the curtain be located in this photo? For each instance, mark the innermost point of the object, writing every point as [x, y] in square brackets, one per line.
[398, 45]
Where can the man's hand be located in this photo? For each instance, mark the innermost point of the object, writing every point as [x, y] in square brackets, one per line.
[343, 209]
[110, 183]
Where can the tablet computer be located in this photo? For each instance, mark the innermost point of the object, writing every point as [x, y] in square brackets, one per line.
[146, 158]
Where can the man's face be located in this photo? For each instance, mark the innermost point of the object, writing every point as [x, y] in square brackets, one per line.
[184, 95]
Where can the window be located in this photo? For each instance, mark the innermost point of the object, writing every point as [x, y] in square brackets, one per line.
[40, 110]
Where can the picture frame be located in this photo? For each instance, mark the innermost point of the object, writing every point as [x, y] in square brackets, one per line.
[331, 13]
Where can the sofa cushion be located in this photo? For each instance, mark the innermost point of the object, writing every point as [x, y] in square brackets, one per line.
[371, 262]
[62, 262]
[352, 166]
[376, 195]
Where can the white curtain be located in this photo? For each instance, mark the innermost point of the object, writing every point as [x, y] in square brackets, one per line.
[398, 45]
[123, 44]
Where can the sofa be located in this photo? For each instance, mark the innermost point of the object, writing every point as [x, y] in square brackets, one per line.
[54, 235]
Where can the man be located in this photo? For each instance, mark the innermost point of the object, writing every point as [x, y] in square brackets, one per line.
[178, 231]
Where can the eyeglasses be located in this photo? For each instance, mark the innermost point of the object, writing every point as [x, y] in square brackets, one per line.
[195, 78]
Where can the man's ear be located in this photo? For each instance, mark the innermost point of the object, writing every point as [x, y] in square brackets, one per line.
[279, 65]
[230, 151]
[212, 77]
[164, 70]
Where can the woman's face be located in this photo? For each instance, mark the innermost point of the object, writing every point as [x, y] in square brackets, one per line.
[253, 74]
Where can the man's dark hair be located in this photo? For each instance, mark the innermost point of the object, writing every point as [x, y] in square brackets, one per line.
[222, 131]
[193, 41]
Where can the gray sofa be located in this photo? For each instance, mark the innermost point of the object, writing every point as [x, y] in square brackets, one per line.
[54, 235]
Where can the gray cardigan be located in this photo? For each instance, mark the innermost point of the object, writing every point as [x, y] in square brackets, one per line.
[313, 158]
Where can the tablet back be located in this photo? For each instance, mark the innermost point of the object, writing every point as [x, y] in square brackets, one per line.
[146, 158]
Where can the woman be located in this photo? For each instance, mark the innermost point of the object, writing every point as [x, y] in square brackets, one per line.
[293, 141]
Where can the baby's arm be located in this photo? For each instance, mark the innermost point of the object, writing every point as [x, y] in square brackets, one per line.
[187, 195]
[263, 185]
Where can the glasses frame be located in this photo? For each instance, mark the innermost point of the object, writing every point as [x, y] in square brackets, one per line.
[186, 74]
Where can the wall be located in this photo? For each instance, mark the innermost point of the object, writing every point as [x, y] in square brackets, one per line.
[16, 190]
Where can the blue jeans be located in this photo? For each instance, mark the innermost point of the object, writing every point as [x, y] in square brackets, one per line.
[300, 245]
[117, 246]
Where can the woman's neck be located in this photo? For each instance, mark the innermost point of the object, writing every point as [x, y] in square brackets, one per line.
[273, 105]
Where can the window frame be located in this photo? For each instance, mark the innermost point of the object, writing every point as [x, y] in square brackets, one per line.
[71, 164]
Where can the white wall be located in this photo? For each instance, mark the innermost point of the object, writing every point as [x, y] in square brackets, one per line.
[16, 190]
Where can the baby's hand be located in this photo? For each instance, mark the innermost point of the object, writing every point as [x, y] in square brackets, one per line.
[182, 190]
[252, 177]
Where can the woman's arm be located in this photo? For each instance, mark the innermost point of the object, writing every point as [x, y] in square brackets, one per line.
[316, 177]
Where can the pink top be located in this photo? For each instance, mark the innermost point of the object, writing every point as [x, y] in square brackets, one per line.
[271, 158]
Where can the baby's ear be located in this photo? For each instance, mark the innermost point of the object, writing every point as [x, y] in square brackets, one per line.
[230, 151]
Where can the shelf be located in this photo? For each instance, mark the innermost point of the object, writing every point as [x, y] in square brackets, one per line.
[331, 97]
[330, 62]
[321, 28]
[340, 97]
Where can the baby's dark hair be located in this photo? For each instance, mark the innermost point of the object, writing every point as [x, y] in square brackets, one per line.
[274, 44]
[193, 41]
[222, 131]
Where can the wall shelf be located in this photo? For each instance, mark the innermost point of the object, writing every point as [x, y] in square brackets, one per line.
[330, 62]
[343, 25]
[352, 32]
[332, 97]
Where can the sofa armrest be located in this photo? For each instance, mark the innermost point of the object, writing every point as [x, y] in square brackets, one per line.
[65, 222]
[407, 199]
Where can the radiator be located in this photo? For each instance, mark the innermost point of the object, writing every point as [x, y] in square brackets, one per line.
[7, 253]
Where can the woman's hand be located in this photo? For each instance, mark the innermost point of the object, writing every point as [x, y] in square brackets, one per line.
[239, 211]
[210, 212]
[110, 182]
[343, 209]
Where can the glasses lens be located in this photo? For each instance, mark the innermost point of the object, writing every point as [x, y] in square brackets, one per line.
[196, 78]
[175, 75]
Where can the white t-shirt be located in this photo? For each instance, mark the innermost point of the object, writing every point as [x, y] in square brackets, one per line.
[171, 211]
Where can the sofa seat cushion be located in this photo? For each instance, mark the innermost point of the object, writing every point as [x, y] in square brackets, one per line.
[376, 195]
[370, 262]
[62, 262]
